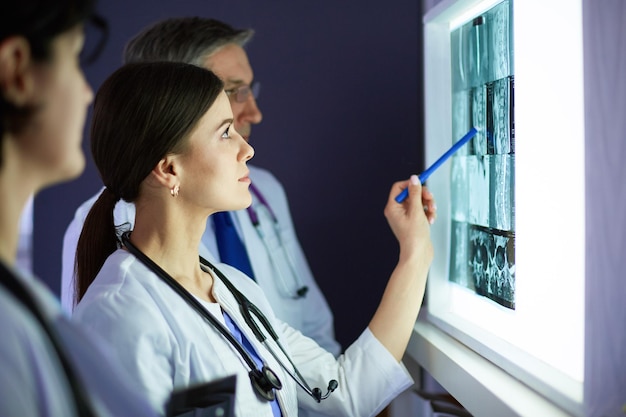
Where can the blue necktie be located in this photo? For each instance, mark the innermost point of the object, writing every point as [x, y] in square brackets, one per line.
[231, 249]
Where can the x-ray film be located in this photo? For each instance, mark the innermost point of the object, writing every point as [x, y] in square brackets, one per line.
[482, 241]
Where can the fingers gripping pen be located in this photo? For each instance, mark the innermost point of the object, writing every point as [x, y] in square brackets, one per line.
[424, 175]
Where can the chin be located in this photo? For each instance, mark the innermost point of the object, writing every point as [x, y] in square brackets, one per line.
[71, 170]
[244, 204]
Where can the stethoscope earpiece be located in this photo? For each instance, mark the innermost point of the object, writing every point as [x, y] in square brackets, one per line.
[317, 393]
[302, 291]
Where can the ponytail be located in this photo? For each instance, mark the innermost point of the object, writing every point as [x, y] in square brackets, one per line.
[97, 241]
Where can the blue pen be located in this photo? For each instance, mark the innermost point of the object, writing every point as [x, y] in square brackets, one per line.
[424, 175]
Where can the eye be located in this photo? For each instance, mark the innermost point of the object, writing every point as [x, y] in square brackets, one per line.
[226, 134]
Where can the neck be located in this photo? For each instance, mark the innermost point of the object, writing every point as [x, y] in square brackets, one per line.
[173, 245]
[9, 232]
[15, 189]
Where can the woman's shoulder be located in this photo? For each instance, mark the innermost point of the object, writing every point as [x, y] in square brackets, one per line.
[120, 273]
[18, 324]
[120, 290]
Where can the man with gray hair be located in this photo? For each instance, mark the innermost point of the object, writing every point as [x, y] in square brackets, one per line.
[275, 257]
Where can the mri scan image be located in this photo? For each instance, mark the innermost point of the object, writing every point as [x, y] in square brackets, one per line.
[482, 188]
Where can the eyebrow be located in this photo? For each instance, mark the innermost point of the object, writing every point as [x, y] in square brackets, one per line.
[234, 82]
[226, 122]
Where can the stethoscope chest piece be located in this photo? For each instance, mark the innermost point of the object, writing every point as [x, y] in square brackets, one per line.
[265, 382]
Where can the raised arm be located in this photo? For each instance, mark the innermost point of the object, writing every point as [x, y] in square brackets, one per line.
[395, 316]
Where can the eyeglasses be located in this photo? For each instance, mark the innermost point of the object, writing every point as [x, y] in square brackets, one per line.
[241, 93]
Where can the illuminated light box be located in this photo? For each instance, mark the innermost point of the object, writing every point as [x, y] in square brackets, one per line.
[508, 277]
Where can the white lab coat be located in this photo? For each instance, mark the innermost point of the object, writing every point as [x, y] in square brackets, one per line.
[311, 314]
[32, 379]
[166, 344]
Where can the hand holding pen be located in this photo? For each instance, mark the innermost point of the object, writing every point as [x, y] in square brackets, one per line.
[427, 173]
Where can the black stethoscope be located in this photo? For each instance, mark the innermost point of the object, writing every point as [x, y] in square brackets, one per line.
[299, 290]
[81, 398]
[264, 380]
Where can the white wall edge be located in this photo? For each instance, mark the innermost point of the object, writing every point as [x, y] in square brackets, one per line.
[483, 388]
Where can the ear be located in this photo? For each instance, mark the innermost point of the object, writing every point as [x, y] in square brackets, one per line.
[166, 172]
[16, 77]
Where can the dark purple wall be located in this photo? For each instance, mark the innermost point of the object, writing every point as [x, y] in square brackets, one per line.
[341, 99]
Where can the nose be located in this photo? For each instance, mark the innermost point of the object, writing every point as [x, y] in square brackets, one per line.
[88, 91]
[247, 151]
[251, 113]
[89, 94]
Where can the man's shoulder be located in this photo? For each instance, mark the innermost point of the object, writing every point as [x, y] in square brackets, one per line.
[263, 175]
[83, 209]
[124, 211]
[266, 182]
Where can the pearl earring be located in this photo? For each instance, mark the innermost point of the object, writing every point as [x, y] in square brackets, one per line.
[174, 191]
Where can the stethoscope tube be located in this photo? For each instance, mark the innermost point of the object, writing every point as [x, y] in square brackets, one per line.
[300, 290]
[247, 309]
[264, 381]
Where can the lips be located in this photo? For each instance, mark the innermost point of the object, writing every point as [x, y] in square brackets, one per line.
[245, 178]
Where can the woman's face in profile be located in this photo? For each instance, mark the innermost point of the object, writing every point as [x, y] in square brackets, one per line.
[214, 162]
[52, 140]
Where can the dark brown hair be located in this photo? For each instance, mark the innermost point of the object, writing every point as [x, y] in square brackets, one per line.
[142, 112]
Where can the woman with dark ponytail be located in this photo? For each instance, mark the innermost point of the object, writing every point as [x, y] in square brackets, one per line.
[162, 138]
[130, 139]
